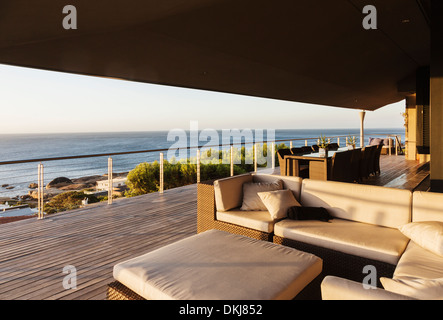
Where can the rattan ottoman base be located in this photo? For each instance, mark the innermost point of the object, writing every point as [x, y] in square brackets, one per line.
[117, 291]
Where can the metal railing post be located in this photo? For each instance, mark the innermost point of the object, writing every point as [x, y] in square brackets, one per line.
[273, 155]
[390, 145]
[255, 157]
[198, 165]
[232, 161]
[161, 173]
[110, 181]
[40, 191]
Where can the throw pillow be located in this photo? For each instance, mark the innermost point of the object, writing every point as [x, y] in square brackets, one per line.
[309, 213]
[278, 202]
[427, 234]
[251, 200]
[422, 289]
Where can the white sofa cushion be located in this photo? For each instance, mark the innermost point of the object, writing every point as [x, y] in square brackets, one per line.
[418, 288]
[427, 206]
[257, 220]
[361, 239]
[417, 262]
[251, 200]
[229, 191]
[369, 204]
[278, 202]
[335, 288]
[216, 265]
[427, 234]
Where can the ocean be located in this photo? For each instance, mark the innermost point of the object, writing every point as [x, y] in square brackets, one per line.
[15, 178]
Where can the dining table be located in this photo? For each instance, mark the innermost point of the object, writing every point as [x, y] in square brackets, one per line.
[319, 165]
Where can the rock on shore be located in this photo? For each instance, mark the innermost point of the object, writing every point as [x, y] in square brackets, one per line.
[59, 182]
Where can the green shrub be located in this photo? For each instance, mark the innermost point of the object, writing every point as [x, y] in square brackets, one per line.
[67, 201]
[145, 177]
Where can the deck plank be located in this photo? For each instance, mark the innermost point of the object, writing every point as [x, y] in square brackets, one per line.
[94, 238]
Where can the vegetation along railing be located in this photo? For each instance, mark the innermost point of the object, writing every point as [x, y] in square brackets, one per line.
[127, 173]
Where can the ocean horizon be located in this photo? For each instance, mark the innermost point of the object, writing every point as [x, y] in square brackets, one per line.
[17, 147]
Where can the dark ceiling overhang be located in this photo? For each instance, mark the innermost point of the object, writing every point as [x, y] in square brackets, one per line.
[306, 51]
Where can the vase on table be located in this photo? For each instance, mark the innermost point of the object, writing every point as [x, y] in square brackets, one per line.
[322, 152]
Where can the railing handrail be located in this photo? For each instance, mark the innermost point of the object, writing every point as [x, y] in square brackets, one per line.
[159, 150]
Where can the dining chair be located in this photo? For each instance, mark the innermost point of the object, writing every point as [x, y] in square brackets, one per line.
[297, 151]
[333, 146]
[281, 160]
[372, 155]
[355, 164]
[377, 159]
[306, 149]
[341, 167]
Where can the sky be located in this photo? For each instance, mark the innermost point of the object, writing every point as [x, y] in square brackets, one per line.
[37, 101]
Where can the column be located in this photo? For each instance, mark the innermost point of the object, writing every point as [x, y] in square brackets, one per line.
[411, 128]
[436, 96]
[362, 129]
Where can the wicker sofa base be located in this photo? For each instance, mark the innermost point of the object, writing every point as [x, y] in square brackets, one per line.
[341, 264]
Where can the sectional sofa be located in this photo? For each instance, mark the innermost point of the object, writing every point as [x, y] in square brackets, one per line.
[366, 227]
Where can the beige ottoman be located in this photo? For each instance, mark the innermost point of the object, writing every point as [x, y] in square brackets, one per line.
[216, 265]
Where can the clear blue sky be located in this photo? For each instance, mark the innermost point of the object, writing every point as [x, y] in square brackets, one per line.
[36, 101]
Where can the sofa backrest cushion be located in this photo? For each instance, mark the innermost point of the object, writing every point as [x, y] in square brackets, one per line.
[229, 191]
[386, 142]
[292, 183]
[251, 199]
[427, 206]
[375, 141]
[375, 205]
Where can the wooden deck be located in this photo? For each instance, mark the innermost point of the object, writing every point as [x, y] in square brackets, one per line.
[396, 172]
[34, 252]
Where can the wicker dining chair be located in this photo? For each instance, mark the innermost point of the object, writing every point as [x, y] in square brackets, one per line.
[377, 159]
[306, 149]
[365, 161]
[297, 151]
[340, 168]
[372, 155]
[333, 146]
[281, 160]
[355, 164]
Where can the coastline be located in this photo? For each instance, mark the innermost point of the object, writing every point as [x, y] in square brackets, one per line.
[87, 184]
